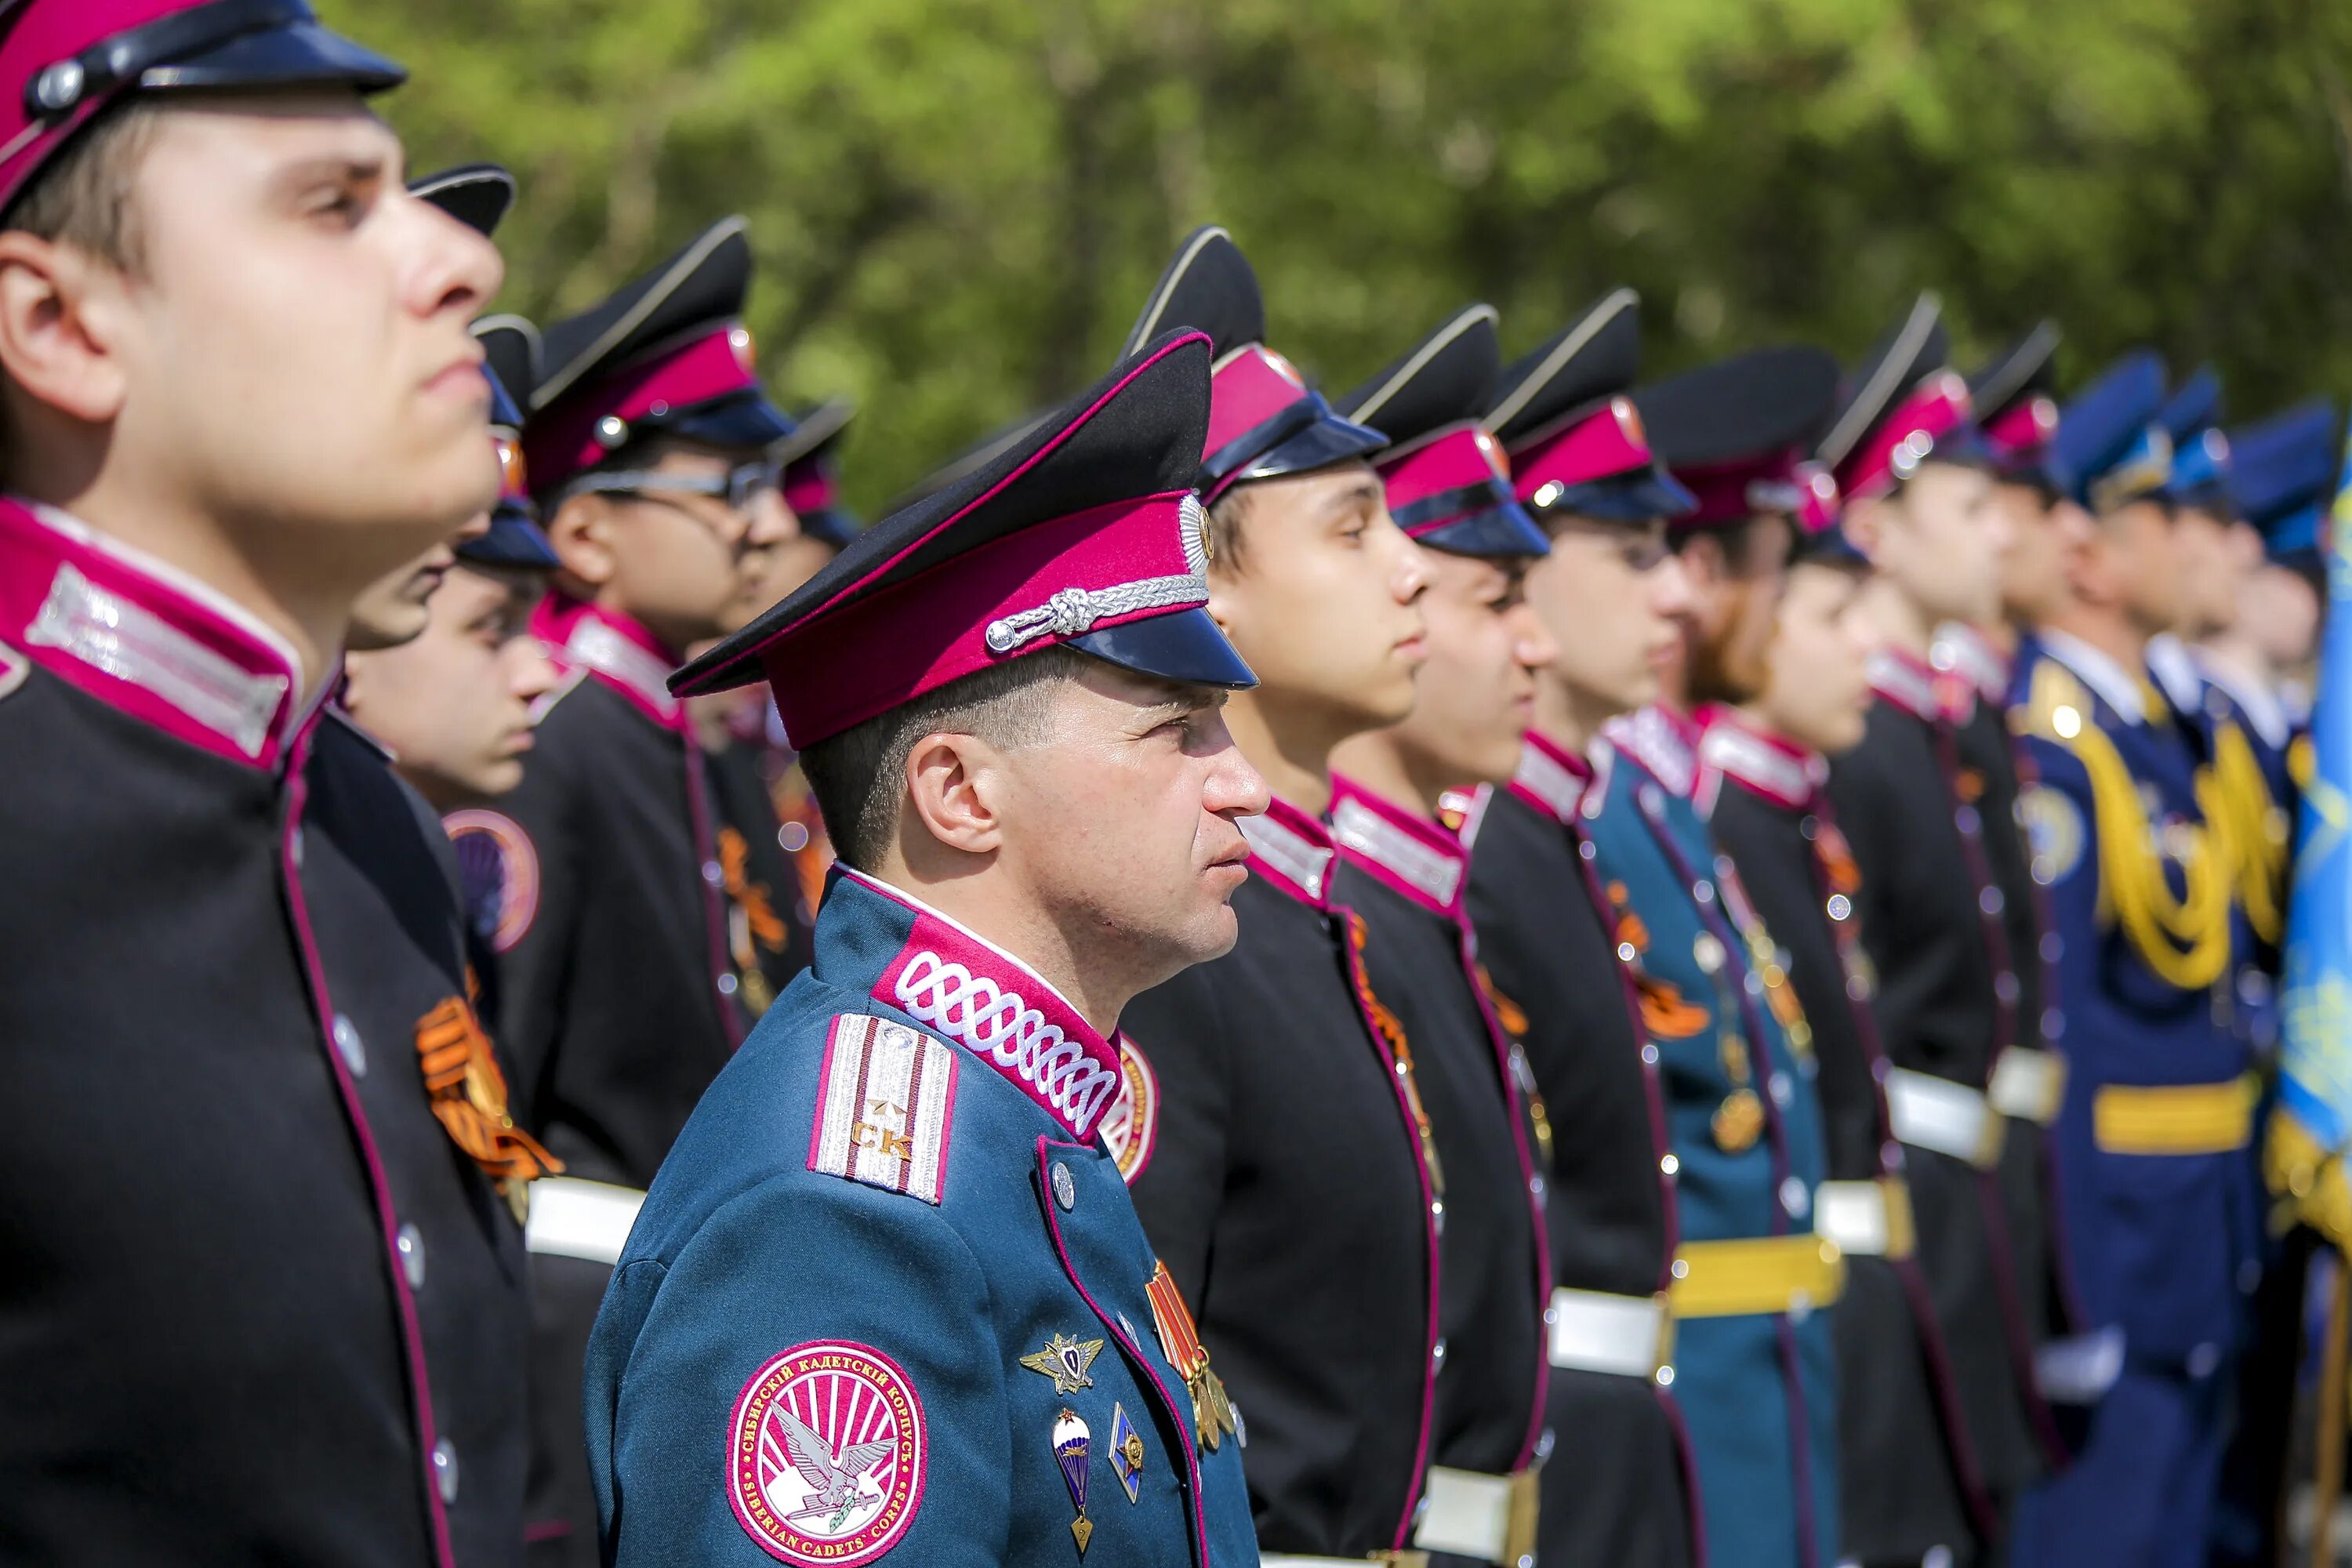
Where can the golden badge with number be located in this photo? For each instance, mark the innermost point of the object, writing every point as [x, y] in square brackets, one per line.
[1738, 1121]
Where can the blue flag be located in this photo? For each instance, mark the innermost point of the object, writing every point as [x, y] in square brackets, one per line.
[2316, 1056]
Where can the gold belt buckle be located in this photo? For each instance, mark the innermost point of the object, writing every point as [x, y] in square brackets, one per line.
[1401, 1559]
[1519, 1535]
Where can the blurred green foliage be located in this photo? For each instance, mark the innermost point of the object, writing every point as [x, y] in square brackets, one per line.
[958, 204]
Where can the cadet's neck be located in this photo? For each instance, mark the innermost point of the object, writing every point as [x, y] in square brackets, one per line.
[1290, 741]
[1395, 773]
[1896, 616]
[1568, 716]
[2239, 655]
[2107, 628]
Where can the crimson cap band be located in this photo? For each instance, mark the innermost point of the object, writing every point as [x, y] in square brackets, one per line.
[515, 538]
[1736, 432]
[1577, 443]
[1448, 485]
[667, 355]
[809, 489]
[1904, 404]
[62, 61]
[1264, 419]
[2016, 416]
[1084, 534]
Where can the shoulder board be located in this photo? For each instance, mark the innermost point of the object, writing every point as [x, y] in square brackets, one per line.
[2056, 708]
[885, 1103]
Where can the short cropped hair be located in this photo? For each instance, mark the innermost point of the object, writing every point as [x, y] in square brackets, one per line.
[859, 776]
[83, 198]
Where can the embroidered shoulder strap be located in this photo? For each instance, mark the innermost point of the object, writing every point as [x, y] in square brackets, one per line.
[884, 1107]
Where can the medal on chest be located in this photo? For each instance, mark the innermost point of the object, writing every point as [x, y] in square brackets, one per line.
[1213, 1413]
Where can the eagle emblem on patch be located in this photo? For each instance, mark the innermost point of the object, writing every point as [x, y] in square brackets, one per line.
[1132, 1126]
[500, 868]
[884, 1107]
[825, 1455]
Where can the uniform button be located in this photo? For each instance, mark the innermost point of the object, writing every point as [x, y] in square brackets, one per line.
[792, 838]
[2250, 1277]
[1795, 1197]
[1753, 982]
[1935, 1557]
[1706, 952]
[727, 985]
[1438, 1353]
[1702, 891]
[410, 1242]
[1681, 1270]
[1649, 799]
[2204, 1359]
[1782, 1092]
[1666, 1377]
[1065, 1187]
[1840, 905]
[2004, 985]
[2054, 947]
[1811, 827]
[350, 1047]
[1801, 1306]
[2054, 1024]
[1965, 819]
[1536, 1185]
[1669, 1165]
[294, 846]
[1989, 900]
[445, 1471]
[1649, 1056]
[1625, 953]
[1584, 846]
[712, 874]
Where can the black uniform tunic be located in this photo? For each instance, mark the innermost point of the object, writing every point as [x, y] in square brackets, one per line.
[1406, 879]
[621, 986]
[256, 1305]
[1274, 1151]
[1932, 934]
[1615, 1486]
[1911, 1481]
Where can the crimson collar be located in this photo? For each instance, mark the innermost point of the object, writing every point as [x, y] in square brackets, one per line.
[1900, 678]
[1412, 855]
[1967, 653]
[617, 649]
[949, 978]
[1551, 778]
[144, 637]
[1292, 850]
[1662, 743]
[1757, 759]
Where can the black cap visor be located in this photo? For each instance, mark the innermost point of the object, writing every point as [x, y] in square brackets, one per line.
[1500, 532]
[1635, 497]
[296, 53]
[515, 538]
[1185, 646]
[1303, 436]
[737, 422]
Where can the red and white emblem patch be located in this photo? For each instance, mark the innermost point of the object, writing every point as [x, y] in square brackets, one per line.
[1132, 1126]
[825, 1455]
[497, 855]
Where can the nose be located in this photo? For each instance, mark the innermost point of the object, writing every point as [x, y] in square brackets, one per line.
[772, 521]
[530, 674]
[1670, 588]
[458, 270]
[1235, 788]
[1532, 642]
[1413, 572]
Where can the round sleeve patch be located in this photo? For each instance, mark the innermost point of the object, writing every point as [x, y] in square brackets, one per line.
[500, 868]
[1132, 1126]
[2054, 831]
[825, 1455]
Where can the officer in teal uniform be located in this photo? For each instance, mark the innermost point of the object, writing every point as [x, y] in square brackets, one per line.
[1753, 1367]
[888, 1299]
[2154, 1137]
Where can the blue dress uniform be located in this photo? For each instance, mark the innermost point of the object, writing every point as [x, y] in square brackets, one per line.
[887, 1297]
[2161, 1201]
[1755, 1364]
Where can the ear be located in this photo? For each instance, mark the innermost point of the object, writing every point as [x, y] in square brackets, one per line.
[1864, 520]
[580, 531]
[952, 794]
[61, 318]
[1705, 565]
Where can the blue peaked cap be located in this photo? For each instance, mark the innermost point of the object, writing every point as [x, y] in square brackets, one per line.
[2200, 453]
[2284, 473]
[2111, 447]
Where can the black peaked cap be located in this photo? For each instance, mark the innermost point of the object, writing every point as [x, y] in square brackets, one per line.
[1444, 379]
[1751, 403]
[1915, 349]
[968, 462]
[475, 194]
[1108, 444]
[705, 281]
[819, 429]
[1209, 288]
[512, 345]
[1595, 356]
[2020, 369]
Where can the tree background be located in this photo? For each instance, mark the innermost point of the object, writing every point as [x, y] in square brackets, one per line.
[959, 204]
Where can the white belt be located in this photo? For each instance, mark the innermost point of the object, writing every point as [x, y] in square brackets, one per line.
[1931, 1112]
[2028, 1084]
[1866, 1219]
[1293, 1560]
[1592, 1331]
[572, 1218]
[1491, 1518]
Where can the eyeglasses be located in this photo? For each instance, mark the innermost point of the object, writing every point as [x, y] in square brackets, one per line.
[739, 486]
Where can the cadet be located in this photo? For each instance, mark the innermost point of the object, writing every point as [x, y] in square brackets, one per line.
[1617, 1486]
[1736, 432]
[263, 1290]
[2280, 471]
[2161, 1200]
[629, 971]
[1270, 1084]
[2013, 420]
[1753, 1365]
[888, 1293]
[1402, 866]
[1947, 995]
